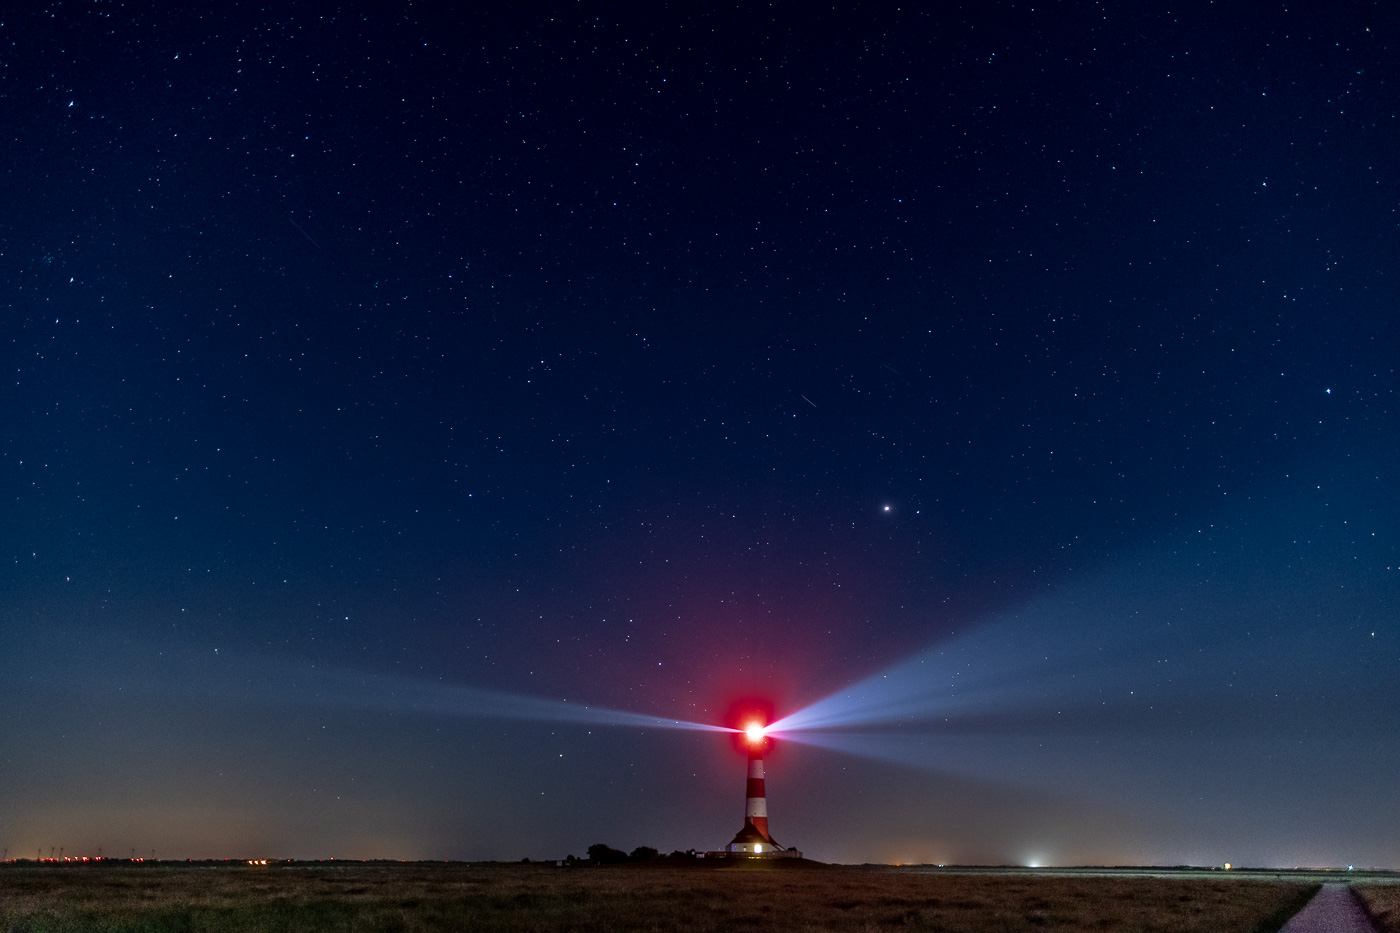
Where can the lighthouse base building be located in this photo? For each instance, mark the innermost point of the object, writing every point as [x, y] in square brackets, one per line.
[750, 843]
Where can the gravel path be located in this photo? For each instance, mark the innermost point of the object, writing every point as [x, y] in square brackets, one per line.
[1333, 910]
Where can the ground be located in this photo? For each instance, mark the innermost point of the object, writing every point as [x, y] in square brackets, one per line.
[358, 897]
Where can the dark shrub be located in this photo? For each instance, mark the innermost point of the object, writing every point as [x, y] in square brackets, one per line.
[605, 855]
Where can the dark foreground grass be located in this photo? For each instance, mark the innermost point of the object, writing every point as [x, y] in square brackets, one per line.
[373, 898]
[1382, 902]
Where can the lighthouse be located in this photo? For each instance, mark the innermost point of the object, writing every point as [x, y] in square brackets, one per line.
[754, 840]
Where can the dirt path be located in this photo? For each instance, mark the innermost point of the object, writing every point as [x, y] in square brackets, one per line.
[1334, 910]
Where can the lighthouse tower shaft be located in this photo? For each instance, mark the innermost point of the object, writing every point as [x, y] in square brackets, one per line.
[754, 840]
[756, 797]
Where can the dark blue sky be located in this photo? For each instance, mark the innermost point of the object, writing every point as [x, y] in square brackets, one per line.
[651, 359]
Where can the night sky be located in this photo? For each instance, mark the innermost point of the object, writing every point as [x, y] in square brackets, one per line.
[392, 400]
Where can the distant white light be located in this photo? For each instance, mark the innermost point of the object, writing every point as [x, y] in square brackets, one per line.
[754, 732]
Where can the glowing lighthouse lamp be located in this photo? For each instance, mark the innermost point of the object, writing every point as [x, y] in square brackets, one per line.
[754, 841]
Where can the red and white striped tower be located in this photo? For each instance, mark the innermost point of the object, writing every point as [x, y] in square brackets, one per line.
[756, 799]
[754, 839]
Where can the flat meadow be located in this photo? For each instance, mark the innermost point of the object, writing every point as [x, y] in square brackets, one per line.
[1382, 902]
[364, 897]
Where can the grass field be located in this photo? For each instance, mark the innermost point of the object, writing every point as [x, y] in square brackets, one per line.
[414, 897]
[1383, 904]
